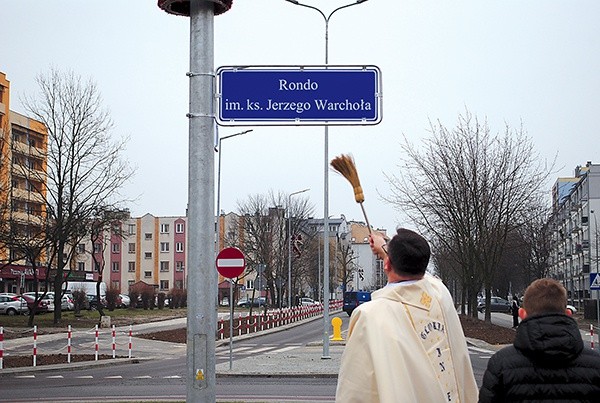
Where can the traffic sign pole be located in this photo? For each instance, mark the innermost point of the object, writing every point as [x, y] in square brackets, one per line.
[230, 263]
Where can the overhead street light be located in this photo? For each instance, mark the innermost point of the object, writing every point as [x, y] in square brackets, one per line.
[218, 222]
[290, 244]
[326, 18]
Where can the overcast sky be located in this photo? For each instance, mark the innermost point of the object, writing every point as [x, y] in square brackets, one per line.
[535, 62]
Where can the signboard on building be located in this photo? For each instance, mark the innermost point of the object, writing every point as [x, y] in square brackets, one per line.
[307, 95]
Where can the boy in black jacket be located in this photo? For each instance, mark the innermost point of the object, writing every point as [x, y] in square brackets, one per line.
[547, 360]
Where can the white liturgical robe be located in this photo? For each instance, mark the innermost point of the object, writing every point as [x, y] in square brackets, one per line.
[406, 345]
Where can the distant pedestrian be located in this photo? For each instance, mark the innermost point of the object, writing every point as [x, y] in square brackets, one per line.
[406, 345]
[547, 361]
[515, 311]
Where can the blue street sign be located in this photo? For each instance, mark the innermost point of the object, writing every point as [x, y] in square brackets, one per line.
[316, 95]
[594, 281]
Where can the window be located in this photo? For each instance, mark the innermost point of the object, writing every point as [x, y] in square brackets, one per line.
[81, 266]
[115, 266]
[130, 283]
[164, 284]
[179, 284]
[178, 266]
[179, 228]
[131, 229]
[179, 247]
[96, 266]
[164, 246]
[147, 255]
[115, 284]
[148, 236]
[147, 274]
[97, 247]
[164, 266]
[250, 284]
[131, 267]
[116, 248]
[131, 247]
[81, 248]
[164, 228]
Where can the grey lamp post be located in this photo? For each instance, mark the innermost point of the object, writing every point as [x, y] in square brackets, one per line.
[218, 223]
[326, 18]
[289, 233]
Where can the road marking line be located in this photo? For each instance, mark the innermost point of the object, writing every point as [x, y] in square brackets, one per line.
[55, 377]
[171, 377]
[85, 377]
[480, 350]
[284, 349]
[143, 377]
[25, 376]
[113, 377]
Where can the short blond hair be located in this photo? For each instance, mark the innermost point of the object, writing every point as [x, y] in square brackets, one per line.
[545, 295]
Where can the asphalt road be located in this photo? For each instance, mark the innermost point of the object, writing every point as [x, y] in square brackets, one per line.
[164, 379]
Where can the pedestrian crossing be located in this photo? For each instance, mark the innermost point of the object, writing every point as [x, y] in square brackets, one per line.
[251, 349]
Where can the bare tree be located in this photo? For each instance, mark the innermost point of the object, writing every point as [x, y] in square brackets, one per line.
[345, 263]
[265, 237]
[468, 189]
[85, 170]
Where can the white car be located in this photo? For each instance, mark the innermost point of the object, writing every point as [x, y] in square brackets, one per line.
[12, 305]
[305, 301]
[125, 301]
[66, 302]
[572, 309]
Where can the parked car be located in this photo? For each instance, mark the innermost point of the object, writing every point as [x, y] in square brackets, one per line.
[42, 305]
[47, 298]
[12, 305]
[92, 302]
[245, 302]
[125, 301]
[352, 299]
[497, 304]
[305, 301]
[572, 309]
[66, 302]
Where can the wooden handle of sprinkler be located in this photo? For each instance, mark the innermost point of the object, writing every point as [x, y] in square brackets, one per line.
[366, 219]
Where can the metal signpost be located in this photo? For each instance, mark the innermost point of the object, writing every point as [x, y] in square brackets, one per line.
[230, 264]
[595, 285]
[303, 95]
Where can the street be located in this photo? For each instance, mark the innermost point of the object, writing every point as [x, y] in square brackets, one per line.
[164, 379]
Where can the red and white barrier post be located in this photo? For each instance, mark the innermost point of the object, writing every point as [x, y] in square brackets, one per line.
[1, 347]
[114, 341]
[130, 335]
[69, 335]
[96, 344]
[34, 345]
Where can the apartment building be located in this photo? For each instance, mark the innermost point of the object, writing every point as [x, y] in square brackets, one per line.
[23, 180]
[145, 249]
[574, 232]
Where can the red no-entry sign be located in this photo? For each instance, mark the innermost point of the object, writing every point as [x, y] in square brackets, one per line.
[230, 262]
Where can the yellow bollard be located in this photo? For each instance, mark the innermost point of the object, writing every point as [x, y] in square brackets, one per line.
[337, 329]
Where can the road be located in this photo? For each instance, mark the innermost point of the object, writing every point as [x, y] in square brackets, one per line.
[164, 379]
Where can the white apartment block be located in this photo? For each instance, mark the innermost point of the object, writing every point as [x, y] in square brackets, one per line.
[574, 250]
[151, 249]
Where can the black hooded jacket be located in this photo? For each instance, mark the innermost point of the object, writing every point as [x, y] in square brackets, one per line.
[547, 362]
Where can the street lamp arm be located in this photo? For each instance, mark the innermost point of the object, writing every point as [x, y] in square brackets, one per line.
[326, 18]
[308, 6]
[231, 135]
